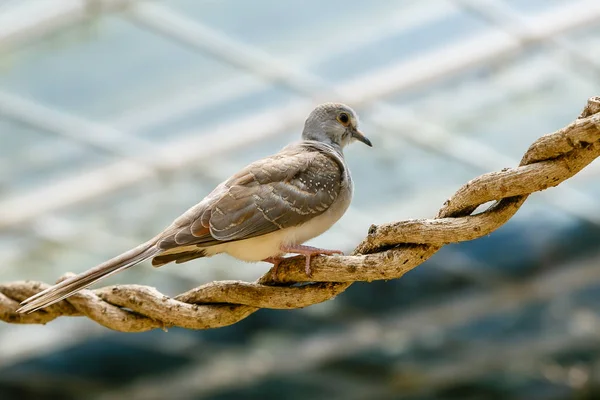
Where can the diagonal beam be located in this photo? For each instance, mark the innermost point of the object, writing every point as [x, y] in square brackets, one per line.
[33, 20]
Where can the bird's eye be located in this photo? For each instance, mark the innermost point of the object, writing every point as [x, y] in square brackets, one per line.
[343, 119]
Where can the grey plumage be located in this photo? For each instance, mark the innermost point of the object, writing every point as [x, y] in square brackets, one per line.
[282, 191]
[272, 204]
[75, 283]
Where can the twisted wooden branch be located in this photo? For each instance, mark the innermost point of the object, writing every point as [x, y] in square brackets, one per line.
[387, 252]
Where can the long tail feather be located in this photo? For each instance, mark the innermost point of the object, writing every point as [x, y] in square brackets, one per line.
[76, 283]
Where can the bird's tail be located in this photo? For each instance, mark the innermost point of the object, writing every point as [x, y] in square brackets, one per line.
[76, 283]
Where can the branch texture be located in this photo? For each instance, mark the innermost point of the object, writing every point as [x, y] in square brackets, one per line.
[389, 250]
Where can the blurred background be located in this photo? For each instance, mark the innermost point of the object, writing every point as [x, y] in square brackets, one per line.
[117, 115]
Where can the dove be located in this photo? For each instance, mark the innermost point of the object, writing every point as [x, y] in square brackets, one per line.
[265, 211]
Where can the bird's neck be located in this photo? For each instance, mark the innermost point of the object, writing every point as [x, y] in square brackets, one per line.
[336, 147]
[323, 139]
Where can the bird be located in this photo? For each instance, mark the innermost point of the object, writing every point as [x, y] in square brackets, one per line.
[266, 210]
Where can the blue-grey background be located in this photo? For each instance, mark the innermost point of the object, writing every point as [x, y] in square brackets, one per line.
[117, 115]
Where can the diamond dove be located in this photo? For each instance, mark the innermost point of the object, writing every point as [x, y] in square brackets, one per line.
[266, 210]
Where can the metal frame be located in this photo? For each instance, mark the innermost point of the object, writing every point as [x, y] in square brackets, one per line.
[32, 21]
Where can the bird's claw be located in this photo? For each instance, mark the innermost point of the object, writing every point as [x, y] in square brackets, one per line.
[306, 251]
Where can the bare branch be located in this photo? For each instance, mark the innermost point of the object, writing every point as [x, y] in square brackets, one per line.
[387, 252]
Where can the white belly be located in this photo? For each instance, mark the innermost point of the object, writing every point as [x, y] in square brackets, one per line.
[269, 245]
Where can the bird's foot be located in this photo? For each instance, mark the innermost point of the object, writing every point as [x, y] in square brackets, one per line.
[308, 252]
[275, 261]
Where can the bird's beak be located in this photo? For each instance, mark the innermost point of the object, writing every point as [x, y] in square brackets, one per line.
[358, 135]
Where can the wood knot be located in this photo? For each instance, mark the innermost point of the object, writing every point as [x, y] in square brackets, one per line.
[592, 107]
[372, 230]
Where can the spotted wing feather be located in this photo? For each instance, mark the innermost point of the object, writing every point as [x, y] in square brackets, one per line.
[282, 191]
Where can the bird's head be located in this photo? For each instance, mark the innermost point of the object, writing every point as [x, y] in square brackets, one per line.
[333, 123]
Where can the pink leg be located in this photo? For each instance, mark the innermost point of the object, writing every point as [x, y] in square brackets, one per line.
[275, 261]
[308, 252]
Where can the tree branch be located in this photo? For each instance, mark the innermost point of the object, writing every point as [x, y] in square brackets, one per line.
[387, 252]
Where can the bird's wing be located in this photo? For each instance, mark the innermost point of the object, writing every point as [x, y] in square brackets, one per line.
[281, 191]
